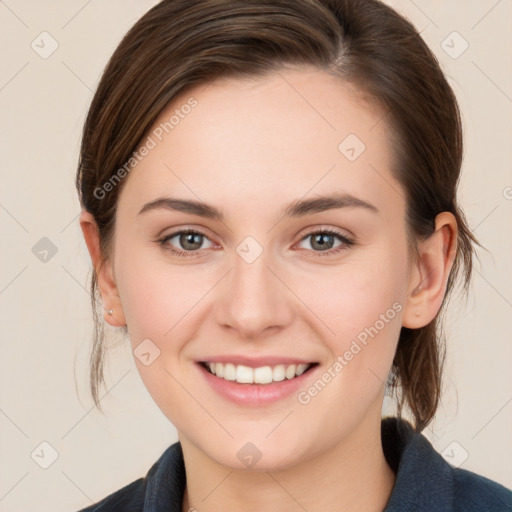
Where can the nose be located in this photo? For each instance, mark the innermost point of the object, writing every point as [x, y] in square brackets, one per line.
[254, 298]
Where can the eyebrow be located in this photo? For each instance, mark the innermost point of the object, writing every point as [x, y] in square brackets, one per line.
[298, 208]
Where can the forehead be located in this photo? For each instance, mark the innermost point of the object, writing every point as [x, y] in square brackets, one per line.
[296, 132]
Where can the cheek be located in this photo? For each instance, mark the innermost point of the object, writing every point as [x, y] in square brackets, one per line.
[360, 305]
[162, 301]
[354, 295]
[159, 297]
[156, 300]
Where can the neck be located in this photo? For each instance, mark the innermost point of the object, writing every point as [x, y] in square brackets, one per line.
[353, 475]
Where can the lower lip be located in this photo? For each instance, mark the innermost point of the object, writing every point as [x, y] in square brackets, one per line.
[254, 395]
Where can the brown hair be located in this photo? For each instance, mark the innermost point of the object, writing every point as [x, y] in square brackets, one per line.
[181, 43]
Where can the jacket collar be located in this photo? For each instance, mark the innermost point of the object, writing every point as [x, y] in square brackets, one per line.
[424, 480]
[166, 482]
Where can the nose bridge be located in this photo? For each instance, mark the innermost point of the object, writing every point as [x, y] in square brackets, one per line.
[255, 299]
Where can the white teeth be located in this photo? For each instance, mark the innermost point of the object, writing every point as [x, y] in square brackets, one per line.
[290, 371]
[244, 374]
[260, 375]
[301, 368]
[278, 373]
[263, 375]
[229, 371]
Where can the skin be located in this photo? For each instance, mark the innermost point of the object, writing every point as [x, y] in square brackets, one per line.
[250, 148]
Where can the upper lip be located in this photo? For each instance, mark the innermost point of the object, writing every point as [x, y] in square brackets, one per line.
[255, 362]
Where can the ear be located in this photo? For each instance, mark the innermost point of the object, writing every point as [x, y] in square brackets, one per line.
[429, 274]
[104, 271]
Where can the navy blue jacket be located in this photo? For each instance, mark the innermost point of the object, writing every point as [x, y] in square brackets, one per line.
[425, 482]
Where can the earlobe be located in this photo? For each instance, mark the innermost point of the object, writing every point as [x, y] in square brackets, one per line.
[429, 275]
[104, 272]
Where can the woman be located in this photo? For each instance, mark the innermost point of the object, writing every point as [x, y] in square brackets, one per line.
[269, 202]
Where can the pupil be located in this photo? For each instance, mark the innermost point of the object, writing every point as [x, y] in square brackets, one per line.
[188, 239]
[322, 236]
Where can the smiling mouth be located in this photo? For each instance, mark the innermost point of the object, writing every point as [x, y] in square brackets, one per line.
[260, 375]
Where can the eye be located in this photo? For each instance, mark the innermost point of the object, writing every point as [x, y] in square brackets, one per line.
[324, 240]
[189, 239]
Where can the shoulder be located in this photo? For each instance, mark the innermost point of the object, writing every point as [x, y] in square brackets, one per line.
[425, 481]
[162, 488]
[127, 499]
[473, 492]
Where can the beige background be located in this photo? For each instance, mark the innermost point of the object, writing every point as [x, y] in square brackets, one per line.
[45, 310]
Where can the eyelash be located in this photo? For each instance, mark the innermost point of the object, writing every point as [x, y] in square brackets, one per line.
[346, 242]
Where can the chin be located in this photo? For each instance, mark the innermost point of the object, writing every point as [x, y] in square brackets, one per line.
[256, 456]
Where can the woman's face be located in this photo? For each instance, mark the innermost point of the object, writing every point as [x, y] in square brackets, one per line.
[258, 292]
